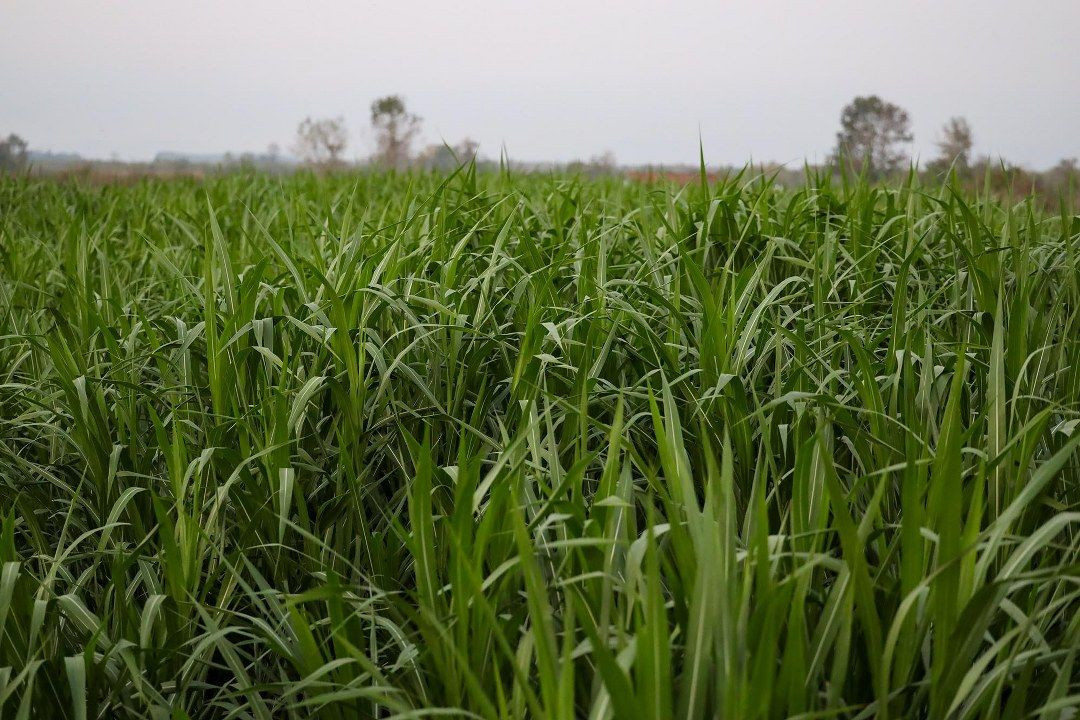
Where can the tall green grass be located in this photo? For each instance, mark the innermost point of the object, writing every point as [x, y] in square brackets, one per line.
[500, 446]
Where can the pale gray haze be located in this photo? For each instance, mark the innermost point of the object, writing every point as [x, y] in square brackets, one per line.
[553, 80]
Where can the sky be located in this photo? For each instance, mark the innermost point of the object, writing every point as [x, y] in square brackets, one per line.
[760, 80]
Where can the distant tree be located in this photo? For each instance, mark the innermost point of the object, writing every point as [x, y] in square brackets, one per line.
[273, 153]
[871, 134]
[395, 129]
[954, 147]
[13, 154]
[321, 141]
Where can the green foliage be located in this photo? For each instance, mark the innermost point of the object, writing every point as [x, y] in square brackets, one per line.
[501, 446]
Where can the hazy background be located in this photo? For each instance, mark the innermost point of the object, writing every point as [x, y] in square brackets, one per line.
[549, 80]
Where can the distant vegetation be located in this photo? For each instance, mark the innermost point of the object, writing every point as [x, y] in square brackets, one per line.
[873, 140]
[421, 444]
[872, 135]
[395, 129]
[13, 154]
[321, 142]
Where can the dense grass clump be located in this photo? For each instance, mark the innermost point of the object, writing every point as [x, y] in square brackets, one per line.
[507, 447]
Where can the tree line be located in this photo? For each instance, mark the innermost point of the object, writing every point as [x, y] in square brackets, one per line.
[872, 139]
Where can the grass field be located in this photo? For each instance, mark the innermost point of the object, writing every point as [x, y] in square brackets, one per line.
[520, 446]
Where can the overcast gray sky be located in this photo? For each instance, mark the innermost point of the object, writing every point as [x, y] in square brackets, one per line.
[551, 80]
